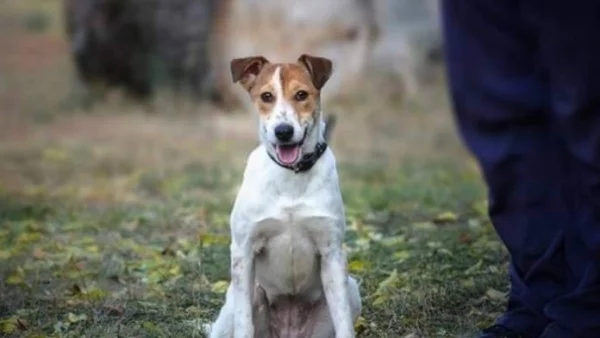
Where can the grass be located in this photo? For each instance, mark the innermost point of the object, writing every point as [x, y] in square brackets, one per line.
[152, 259]
[148, 256]
[113, 222]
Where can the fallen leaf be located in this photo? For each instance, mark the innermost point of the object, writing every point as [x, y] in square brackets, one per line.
[474, 267]
[465, 238]
[92, 249]
[38, 253]
[211, 239]
[17, 277]
[495, 295]
[385, 288]
[481, 207]
[12, 324]
[401, 256]
[394, 240]
[446, 217]
[220, 286]
[73, 318]
[55, 154]
[467, 283]
[21, 324]
[357, 265]
[360, 324]
[424, 225]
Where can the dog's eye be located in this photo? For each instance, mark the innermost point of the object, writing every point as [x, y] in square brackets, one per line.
[266, 97]
[301, 95]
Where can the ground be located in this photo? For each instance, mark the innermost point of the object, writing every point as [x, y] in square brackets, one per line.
[114, 220]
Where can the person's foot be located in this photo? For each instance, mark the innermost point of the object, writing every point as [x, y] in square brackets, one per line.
[499, 331]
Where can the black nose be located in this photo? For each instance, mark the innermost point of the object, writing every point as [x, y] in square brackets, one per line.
[284, 132]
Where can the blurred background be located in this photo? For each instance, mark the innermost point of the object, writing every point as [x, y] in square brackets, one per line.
[122, 141]
[172, 56]
[134, 72]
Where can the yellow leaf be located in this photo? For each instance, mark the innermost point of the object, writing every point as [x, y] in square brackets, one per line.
[380, 300]
[468, 283]
[360, 324]
[496, 295]
[4, 254]
[357, 265]
[446, 217]
[211, 239]
[481, 208]
[401, 256]
[92, 249]
[389, 281]
[90, 294]
[18, 277]
[395, 240]
[73, 318]
[424, 225]
[174, 270]
[220, 286]
[29, 237]
[385, 288]
[8, 326]
[55, 154]
[12, 324]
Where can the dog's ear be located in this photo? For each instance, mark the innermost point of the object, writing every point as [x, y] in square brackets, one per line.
[320, 68]
[245, 70]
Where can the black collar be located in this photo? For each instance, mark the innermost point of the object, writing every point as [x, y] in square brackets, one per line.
[307, 161]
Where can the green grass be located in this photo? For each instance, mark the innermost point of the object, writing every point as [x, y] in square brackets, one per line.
[151, 260]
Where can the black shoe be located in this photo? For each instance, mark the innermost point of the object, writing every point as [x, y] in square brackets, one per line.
[499, 331]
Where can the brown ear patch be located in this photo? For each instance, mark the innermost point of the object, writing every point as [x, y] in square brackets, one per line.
[245, 70]
[320, 69]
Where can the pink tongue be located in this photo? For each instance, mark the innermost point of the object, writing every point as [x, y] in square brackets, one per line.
[288, 154]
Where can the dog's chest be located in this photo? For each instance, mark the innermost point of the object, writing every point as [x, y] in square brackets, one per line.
[286, 260]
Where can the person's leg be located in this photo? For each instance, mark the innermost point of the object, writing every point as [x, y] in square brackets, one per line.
[568, 35]
[499, 98]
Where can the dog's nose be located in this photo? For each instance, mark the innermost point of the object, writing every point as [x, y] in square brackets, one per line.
[284, 132]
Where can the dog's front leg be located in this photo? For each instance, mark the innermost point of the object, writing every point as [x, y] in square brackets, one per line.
[335, 284]
[242, 282]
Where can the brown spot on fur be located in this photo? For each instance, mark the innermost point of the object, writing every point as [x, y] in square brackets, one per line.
[294, 77]
[245, 70]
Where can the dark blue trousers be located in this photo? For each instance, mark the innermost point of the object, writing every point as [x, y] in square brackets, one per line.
[524, 79]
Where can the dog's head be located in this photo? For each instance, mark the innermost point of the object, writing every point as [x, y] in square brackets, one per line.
[287, 97]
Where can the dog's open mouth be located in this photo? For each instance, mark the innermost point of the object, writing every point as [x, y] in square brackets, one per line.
[288, 154]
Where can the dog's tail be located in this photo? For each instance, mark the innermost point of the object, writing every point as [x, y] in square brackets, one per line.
[330, 121]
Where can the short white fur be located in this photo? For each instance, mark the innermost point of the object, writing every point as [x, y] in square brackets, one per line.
[287, 233]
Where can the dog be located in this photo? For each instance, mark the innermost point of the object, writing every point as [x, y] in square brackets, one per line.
[289, 274]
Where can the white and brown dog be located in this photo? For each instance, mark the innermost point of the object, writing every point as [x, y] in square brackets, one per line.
[288, 267]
